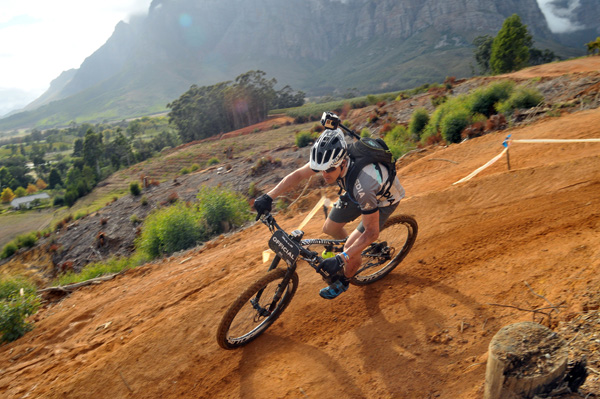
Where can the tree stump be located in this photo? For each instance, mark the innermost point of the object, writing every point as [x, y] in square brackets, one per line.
[524, 359]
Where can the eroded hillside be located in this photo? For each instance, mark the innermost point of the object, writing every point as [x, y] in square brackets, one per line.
[422, 332]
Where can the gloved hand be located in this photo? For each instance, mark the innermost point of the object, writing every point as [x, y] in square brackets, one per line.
[263, 204]
[332, 267]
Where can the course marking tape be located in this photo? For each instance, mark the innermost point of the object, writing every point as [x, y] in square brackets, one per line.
[556, 141]
[476, 172]
[508, 141]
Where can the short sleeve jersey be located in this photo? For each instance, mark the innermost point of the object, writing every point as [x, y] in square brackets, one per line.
[369, 182]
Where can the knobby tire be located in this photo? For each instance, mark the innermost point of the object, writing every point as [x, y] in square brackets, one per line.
[408, 229]
[243, 305]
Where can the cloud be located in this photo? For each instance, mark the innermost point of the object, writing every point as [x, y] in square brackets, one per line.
[560, 15]
[41, 38]
[19, 20]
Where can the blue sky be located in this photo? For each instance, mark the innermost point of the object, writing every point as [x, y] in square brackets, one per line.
[39, 39]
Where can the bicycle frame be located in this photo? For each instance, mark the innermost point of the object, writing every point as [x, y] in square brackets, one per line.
[303, 253]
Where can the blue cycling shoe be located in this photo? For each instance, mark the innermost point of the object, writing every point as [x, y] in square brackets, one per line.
[334, 289]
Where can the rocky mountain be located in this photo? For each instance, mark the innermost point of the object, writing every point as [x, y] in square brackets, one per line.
[318, 46]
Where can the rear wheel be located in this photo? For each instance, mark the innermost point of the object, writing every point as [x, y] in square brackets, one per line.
[395, 241]
[256, 309]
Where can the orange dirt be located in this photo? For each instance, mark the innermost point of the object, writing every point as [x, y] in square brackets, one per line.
[422, 332]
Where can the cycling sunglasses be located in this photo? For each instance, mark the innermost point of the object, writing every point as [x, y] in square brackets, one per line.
[330, 170]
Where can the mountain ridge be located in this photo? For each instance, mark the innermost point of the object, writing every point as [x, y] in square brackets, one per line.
[319, 47]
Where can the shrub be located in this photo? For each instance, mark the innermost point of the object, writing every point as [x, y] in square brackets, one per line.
[8, 250]
[303, 139]
[70, 197]
[483, 100]
[453, 123]
[185, 171]
[144, 200]
[418, 121]
[169, 230]
[252, 190]
[522, 97]
[26, 240]
[20, 192]
[398, 141]
[365, 132]
[15, 306]
[195, 167]
[212, 161]
[437, 100]
[217, 205]
[59, 200]
[134, 188]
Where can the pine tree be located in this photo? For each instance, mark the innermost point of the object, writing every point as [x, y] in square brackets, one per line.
[510, 49]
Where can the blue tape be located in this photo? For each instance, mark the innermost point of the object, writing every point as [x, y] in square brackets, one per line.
[505, 142]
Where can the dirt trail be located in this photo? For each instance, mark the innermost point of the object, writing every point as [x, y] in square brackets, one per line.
[422, 332]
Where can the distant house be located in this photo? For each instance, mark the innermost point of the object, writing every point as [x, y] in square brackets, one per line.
[25, 202]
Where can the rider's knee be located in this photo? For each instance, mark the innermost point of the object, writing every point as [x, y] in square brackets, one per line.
[334, 230]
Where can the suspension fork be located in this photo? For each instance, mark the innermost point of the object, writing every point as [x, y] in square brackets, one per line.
[280, 289]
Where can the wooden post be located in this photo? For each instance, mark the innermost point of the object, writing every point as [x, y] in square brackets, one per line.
[507, 159]
[524, 359]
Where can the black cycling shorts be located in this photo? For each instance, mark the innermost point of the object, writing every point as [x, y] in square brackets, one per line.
[345, 211]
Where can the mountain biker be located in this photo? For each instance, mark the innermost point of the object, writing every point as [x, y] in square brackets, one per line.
[329, 156]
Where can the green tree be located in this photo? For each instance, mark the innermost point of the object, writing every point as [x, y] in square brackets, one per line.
[205, 111]
[539, 57]
[5, 177]
[483, 51]
[119, 150]
[593, 46]
[92, 149]
[54, 179]
[78, 148]
[17, 166]
[510, 48]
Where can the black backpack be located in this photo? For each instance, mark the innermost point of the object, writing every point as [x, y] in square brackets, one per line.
[364, 152]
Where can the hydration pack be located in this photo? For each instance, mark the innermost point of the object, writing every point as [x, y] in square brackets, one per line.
[370, 151]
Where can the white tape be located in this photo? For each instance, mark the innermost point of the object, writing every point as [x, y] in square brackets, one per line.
[476, 172]
[556, 141]
[509, 141]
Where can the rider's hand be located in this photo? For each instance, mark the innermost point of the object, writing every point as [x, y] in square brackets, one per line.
[332, 266]
[263, 204]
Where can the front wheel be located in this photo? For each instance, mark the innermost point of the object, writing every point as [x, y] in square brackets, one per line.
[256, 309]
[380, 258]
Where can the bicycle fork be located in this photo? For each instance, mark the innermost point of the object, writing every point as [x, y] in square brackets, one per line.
[281, 287]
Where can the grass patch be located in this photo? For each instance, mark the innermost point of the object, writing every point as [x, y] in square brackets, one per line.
[98, 269]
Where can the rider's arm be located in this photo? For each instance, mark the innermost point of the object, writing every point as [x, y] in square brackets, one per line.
[291, 180]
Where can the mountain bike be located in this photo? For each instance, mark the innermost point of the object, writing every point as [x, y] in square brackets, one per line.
[262, 303]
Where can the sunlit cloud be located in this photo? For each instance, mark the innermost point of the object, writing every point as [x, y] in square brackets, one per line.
[560, 16]
[40, 39]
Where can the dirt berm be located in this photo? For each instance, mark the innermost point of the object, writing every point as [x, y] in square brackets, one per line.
[520, 238]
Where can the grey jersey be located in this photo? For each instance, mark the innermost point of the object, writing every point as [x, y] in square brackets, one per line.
[369, 182]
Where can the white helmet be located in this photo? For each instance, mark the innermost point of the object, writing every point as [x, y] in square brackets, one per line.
[329, 150]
